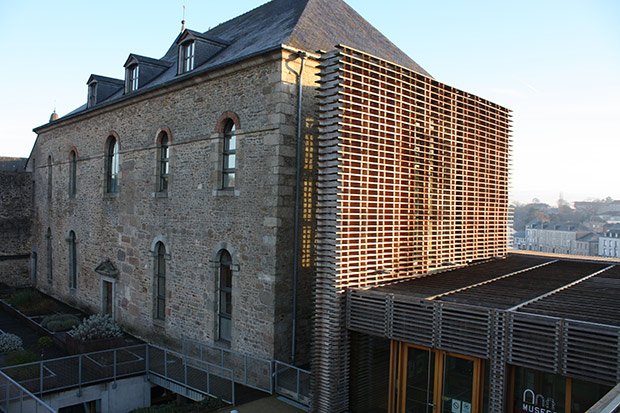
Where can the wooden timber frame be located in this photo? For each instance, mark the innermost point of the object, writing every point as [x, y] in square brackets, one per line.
[412, 178]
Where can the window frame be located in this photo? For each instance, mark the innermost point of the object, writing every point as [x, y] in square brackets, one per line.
[398, 376]
[50, 179]
[163, 162]
[50, 255]
[112, 165]
[229, 152]
[187, 53]
[72, 173]
[91, 99]
[159, 277]
[72, 260]
[132, 76]
[224, 316]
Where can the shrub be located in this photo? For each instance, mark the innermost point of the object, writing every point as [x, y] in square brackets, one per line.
[60, 322]
[96, 327]
[32, 302]
[45, 305]
[45, 342]
[10, 342]
[21, 357]
[21, 297]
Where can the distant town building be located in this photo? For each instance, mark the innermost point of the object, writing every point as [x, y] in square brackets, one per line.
[586, 244]
[519, 240]
[609, 244]
[558, 238]
[607, 211]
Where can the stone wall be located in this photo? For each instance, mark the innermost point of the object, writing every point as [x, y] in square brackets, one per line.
[194, 220]
[15, 222]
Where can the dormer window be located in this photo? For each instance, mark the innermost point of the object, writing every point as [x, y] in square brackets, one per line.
[92, 94]
[131, 78]
[186, 57]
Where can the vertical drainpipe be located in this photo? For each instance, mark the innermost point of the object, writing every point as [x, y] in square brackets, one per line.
[298, 192]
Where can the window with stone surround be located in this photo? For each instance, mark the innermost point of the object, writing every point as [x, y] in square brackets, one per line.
[163, 167]
[229, 155]
[50, 260]
[72, 261]
[160, 281]
[112, 165]
[50, 179]
[72, 174]
[225, 307]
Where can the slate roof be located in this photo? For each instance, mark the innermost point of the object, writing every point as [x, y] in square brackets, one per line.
[8, 164]
[309, 25]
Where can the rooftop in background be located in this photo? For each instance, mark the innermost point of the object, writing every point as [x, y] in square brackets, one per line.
[12, 164]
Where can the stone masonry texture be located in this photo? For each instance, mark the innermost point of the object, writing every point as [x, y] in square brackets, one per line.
[15, 223]
[195, 219]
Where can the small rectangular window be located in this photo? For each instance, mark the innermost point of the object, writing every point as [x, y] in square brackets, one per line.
[92, 94]
[131, 82]
[187, 57]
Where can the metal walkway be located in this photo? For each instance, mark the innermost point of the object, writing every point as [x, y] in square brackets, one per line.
[199, 371]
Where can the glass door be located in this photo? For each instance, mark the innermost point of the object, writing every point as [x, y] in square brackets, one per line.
[458, 384]
[435, 381]
[419, 380]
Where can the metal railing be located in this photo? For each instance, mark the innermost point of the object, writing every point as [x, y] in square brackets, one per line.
[110, 365]
[292, 382]
[189, 372]
[16, 399]
[79, 370]
[250, 371]
[200, 368]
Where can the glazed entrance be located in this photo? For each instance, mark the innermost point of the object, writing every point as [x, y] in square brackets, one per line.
[434, 381]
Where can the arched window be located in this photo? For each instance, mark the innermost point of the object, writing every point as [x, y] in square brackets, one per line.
[49, 179]
[229, 155]
[50, 260]
[160, 281]
[72, 261]
[72, 173]
[112, 165]
[164, 162]
[225, 297]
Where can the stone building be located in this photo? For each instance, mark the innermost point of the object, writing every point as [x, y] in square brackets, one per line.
[168, 200]
[282, 168]
[609, 243]
[16, 189]
[560, 238]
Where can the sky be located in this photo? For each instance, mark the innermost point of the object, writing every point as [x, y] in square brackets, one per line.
[554, 63]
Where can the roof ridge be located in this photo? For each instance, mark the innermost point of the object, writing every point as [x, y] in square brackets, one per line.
[322, 21]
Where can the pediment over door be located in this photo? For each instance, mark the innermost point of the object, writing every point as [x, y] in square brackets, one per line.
[107, 269]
